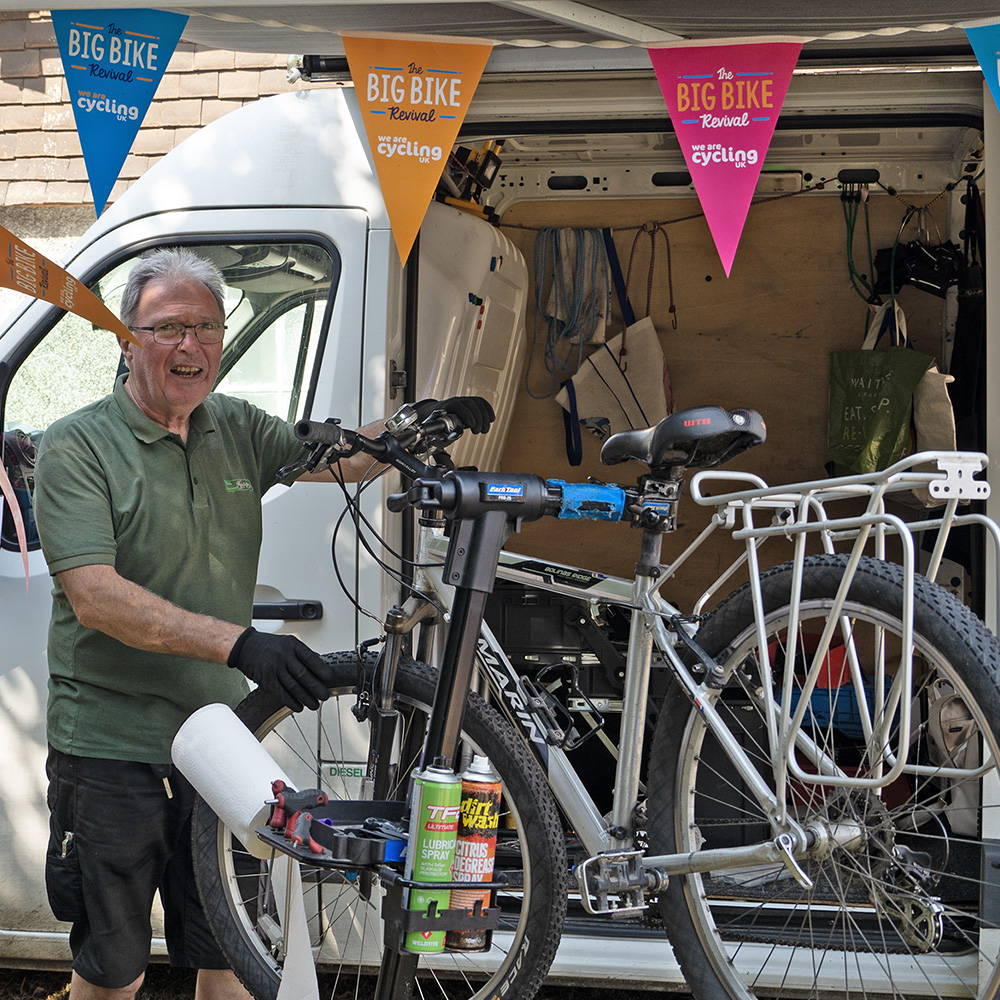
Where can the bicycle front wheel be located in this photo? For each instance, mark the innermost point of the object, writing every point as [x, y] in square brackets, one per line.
[328, 749]
[904, 897]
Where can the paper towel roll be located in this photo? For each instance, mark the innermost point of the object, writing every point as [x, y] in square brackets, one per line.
[233, 773]
[230, 770]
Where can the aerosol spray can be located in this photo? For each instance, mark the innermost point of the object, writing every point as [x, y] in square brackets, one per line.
[476, 847]
[430, 849]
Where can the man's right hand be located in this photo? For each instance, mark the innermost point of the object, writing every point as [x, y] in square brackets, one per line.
[284, 666]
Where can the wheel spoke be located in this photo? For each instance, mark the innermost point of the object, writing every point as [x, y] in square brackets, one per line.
[330, 748]
[896, 903]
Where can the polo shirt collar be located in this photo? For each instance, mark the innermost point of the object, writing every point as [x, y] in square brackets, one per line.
[147, 430]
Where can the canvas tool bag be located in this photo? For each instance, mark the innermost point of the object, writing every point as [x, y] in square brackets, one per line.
[622, 384]
[872, 396]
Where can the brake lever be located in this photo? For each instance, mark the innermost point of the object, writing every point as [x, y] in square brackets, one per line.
[290, 470]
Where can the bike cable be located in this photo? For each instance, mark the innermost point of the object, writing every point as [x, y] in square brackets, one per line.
[361, 522]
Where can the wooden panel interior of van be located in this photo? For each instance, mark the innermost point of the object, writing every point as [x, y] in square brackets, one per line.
[760, 338]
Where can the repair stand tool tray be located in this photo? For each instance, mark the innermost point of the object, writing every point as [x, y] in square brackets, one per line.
[361, 833]
[342, 833]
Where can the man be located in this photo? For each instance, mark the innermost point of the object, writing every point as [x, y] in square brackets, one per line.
[154, 559]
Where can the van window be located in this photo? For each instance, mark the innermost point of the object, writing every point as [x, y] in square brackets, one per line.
[278, 296]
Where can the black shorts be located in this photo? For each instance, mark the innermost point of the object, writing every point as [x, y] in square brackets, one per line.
[115, 839]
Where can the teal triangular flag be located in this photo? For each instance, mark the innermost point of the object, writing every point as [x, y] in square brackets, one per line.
[113, 61]
[985, 42]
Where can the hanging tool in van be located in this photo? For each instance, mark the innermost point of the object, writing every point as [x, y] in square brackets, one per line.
[854, 195]
[467, 174]
[931, 267]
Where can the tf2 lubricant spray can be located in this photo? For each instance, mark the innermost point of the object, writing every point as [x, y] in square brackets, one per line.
[430, 851]
[476, 847]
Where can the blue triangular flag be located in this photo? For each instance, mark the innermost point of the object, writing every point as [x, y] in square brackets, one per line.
[113, 61]
[985, 42]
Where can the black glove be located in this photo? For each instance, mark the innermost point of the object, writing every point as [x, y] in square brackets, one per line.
[284, 666]
[472, 412]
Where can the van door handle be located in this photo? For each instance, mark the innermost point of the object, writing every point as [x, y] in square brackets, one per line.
[288, 610]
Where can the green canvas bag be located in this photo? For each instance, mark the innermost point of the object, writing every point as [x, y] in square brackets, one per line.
[871, 398]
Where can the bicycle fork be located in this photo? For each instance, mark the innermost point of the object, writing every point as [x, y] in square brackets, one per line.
[470, 567]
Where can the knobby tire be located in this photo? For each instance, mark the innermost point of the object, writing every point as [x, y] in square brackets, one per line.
[328, 750]
[903, 911]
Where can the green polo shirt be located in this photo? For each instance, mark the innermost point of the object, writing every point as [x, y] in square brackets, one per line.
[114, 488]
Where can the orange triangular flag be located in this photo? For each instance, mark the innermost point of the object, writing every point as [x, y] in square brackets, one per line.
[28, 271]
[414, 92]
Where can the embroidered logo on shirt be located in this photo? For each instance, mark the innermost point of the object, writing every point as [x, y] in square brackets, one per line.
[238, 486]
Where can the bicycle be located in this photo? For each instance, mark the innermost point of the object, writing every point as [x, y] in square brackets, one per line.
[819, 798]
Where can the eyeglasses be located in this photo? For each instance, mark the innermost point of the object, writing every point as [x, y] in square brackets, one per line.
[170, 334]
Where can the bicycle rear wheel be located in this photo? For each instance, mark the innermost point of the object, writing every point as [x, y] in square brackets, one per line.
[900, 906]
[328, 749]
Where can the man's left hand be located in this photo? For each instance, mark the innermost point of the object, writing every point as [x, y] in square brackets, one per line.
[472, 412]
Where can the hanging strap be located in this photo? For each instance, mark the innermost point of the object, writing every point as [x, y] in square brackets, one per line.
[571, 418]
[974, 233]
[651, 229]
[571, 425]
[616, 275]
[621, 287]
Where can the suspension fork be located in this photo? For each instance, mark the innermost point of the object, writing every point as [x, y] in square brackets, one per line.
[382, 715]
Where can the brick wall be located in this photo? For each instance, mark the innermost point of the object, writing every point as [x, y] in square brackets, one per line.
[41, 163]
[44, 195]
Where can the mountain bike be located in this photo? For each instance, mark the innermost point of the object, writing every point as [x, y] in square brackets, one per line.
[817, 811]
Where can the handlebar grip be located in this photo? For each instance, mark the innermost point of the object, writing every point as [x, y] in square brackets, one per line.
[317, 433]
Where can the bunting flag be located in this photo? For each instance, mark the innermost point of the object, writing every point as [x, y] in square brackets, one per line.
[113, 61]
[28, 271]
[724, 99]
[985, 42]
[414, 92]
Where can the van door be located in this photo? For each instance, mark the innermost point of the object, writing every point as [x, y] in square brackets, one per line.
[294, 347]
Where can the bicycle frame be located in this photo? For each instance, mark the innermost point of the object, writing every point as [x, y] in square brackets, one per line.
[795, 512]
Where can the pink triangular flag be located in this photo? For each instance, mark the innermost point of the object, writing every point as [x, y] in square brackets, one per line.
[724, 99]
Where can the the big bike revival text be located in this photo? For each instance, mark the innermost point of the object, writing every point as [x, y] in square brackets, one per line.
[724, 100]
[413, 95]
[111, 54]
[428, 96]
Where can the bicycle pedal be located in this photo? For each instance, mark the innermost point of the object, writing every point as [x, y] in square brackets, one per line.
[613, 884]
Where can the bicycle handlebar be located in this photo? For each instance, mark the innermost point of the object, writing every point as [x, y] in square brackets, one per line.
[463, 494]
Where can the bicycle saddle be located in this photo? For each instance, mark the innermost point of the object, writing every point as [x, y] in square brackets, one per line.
[700, 438]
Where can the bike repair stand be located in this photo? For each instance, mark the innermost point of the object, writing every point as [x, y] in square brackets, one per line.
[470, 567]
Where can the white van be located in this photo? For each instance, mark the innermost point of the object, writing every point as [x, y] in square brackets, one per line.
[324, 322]
[318, 306]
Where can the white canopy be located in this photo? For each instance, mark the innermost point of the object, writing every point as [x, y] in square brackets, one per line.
[853, 29]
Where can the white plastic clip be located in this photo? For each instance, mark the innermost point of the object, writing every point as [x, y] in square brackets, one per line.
[727, 518]
[959, 482]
